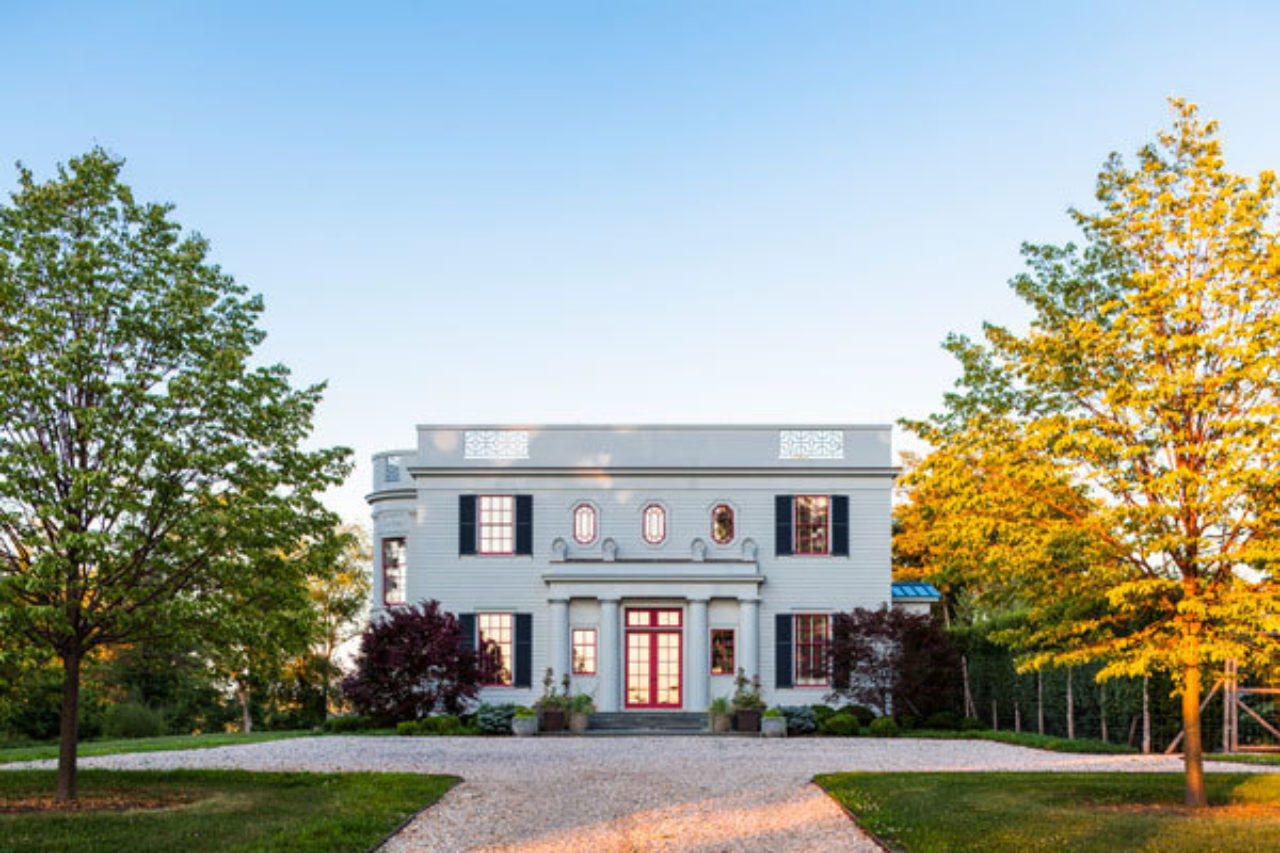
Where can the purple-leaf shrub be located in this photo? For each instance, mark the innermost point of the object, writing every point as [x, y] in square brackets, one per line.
[413, 663]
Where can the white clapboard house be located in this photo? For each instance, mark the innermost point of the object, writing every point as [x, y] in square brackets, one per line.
[649, 562]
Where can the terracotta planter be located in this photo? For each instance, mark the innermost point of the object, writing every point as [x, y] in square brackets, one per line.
[578, 722]
[524, 726]
[721, 723]
[747, 720]
[551, 721]
[775, 726]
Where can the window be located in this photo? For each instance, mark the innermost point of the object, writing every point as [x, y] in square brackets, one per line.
[393, 571]
[813, 516]
[584, 524]
[497, 524]
[812, 632]
[655, 524]
[584, 651]
[498, 629]
[722, 651]
[722, 524]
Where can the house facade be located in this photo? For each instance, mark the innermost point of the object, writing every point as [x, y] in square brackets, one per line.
[651, 563]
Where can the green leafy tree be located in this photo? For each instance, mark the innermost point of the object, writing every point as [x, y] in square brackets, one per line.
[141, 449]
[340, 599]
[1117, 467]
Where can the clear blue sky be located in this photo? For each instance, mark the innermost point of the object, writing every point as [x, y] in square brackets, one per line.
[607, 212]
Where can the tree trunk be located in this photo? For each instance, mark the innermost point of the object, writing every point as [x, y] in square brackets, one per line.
[995, 717]
[1040, 700]
[1017, 718]
[969, 709]
[246, 720]
[1071, 709]
[1102, 709]
[69, 733]
[1193, 755]
[1146, 715]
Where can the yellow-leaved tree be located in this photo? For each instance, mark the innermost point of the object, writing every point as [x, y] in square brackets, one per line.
[1116, 469]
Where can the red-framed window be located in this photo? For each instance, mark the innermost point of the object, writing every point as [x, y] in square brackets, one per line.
[654, 524]
[812, 636]
[584, 651]
[498, 629]
[654, 617]
[393, 571]
[584, 524]
[722, 524]
[497, 520]
[812, 524]
[722, 651]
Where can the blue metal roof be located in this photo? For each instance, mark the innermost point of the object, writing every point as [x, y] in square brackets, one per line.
[918, 591]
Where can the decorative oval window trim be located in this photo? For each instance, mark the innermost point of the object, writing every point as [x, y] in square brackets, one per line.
[582, 511]
[733, 531]
[654, 533]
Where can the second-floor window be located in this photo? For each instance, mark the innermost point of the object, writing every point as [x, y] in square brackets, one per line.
[584, 524]
[812, 528]
[655, 524]
[497, 524]
[722, 524]
[393, 571]
[499, 630]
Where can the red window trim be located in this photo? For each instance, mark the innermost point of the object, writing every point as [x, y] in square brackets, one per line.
[508, 664]
[404, 574]
[795, 649]
[595, 651]
[644, 525]
[733, 524]
[480, 526]
[795, 528]
[651, 618]
[595, 523]
[733, 652]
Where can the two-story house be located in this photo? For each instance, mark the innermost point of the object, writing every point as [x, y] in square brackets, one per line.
[651, 562]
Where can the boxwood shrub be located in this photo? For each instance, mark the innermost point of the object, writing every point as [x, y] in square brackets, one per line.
[883, 727]
[841, 725]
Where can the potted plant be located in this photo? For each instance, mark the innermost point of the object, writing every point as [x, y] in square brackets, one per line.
[720, 713]
[775, 724]
[747, 703]
[581, 707]
[524, 723]
[552, 705]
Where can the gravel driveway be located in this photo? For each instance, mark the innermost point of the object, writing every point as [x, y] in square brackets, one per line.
[634, 793]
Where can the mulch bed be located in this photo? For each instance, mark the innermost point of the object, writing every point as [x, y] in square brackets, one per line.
[99, 803]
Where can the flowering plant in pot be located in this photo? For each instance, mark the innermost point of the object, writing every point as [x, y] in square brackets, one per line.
[581, 707]
[553, 706]
[747, 703]
[720, 713]
[524, 723]
[775, 724]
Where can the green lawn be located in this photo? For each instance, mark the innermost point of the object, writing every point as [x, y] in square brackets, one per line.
[1049, 742]
[149, 744]
[1246, 757]
[917, 812]
[219, 810]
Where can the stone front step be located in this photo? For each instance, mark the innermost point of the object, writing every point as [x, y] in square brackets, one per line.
[690, 722]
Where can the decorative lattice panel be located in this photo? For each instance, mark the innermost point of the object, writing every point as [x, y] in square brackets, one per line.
[810, 444]
[496, 444]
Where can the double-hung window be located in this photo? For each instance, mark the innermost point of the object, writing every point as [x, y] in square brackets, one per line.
[393, 571]
[812, 636]
[813, 524]
[498, 630]
[497, 524]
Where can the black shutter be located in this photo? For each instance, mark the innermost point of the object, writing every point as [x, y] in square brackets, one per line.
[840, 525]
[524, 524]
[782, 525]
[524, 650]
[466, 524]
[782, 657]
[467, 627]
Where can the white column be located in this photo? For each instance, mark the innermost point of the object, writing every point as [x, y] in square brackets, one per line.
[558, 641]
[749, 636]
[610, 656]
[699, 659]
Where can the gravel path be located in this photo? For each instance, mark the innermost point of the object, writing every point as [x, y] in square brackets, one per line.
[634, 793]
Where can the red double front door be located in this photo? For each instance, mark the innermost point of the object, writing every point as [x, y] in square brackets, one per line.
[654, 656]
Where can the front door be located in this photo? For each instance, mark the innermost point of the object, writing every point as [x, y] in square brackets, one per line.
[654, 656]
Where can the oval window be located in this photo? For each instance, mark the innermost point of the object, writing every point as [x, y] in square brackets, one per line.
[722, 524]
[584, 524]
[655, 524]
